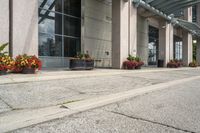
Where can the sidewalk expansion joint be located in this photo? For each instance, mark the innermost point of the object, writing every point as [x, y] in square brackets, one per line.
[6, 103]
[152, 122]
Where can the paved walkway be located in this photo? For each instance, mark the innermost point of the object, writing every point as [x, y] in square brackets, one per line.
[46, 75]
[43, 94]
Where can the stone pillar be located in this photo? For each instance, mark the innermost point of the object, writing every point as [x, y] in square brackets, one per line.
[198, 51]
[166, 43]
[124, 31]
[198, 14]
[4, 21]
[25, 27]
[142, 38]
[187, 39]
[198, 40]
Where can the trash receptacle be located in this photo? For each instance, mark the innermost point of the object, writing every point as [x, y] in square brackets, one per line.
[160, 63]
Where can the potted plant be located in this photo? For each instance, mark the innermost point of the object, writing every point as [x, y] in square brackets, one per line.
[129, 64]
[27, 64]
[140, 63]
[81, 62]
[6, 62]
[174, 64]
[193, 64]
[133, 63]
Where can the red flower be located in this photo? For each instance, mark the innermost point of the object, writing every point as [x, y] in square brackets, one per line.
[25, 61]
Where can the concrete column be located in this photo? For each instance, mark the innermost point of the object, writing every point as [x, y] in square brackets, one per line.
[198, 14]
[166, 37]
[25, 27]
[4, 21]
[142, 38]
[187, 48]
[124, 31]
[198, 51]
[187, 39]
[198, 40]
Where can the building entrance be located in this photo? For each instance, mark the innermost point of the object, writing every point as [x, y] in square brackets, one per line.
[178, 48]
[153, 45]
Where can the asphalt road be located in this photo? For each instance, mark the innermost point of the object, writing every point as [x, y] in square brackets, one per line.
[173, 110]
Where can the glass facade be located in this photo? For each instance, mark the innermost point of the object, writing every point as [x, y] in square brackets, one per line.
[178, 48]
[59, 27]
[194, 13]
[153, 45]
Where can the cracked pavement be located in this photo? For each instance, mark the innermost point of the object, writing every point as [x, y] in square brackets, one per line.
[33, 95]
[175, 109]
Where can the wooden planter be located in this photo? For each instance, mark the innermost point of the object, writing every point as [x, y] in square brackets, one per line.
[28, 71]
[78, 64]
[3, 72]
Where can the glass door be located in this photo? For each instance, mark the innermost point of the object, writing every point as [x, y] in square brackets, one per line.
[153, 45]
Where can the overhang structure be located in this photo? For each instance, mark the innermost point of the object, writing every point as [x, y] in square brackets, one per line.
[166, 10]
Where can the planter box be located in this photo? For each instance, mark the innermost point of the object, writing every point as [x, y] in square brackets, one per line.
[28, 71]
[138, 67]
[4, 72]
[78, 64]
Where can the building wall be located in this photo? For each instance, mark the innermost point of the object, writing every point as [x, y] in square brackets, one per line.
[25, 27]
[97, 31]
[142, 38]
[4, 21]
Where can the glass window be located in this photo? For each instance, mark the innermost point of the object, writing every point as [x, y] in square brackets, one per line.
[178, 48]
[50, 45]
[59, 27]
[50, 22]
[153, 45]
[71, 47]
[53, 5]
[194, 13]
[72, 7]
[72, 26]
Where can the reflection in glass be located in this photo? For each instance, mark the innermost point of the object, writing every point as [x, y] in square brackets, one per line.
[72, 7]
[153, 45]
[71, 47]
[51, 23]
[72, 26]
[178, 48]
[59, 27]
[50, 45]
[53, 5]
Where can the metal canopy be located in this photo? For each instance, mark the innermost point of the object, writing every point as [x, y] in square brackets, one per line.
[171, 6]
[155, 7]
[193, 27]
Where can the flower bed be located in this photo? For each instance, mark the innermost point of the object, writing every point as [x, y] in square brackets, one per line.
[193, 64]
[6, 62]
[174, 64]
[27, 64]
[133, 63]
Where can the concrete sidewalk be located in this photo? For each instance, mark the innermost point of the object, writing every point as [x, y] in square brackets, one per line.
[39, 97]
[46, 75]
[22, 118]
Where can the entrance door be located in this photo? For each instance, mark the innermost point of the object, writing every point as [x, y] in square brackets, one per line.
[153, 45]
[178, 48]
